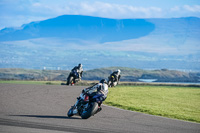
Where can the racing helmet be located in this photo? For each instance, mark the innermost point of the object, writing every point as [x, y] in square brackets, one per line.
[118, 71]
[103, 81]
[80, 65]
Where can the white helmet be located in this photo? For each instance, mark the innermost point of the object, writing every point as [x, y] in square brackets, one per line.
[118, 71]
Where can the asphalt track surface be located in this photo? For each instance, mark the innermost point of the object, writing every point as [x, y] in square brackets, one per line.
[43, 108]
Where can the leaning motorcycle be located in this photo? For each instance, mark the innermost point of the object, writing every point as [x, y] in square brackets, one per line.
[85, 106]
[111, 81]
[73, 78]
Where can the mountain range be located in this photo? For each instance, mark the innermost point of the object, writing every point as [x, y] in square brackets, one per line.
[65, 41]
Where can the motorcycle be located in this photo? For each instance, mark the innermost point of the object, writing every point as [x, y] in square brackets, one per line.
[111, 81]
[85, 106]
[73, 78]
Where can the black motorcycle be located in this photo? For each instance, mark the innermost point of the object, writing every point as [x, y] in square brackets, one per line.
[85, 106]
[73, 78]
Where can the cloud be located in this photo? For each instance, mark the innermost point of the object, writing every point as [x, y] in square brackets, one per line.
[88, 8]
[175, 9]
[186, 9]
[25, 11]
[16, 13]
[195, 8]
[109, 10]
[36, 4]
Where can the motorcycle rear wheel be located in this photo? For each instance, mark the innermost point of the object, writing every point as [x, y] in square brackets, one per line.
[70, 80]
[90, 111]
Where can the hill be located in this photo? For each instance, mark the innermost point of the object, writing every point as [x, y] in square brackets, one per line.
[128, 74]
[81, 27]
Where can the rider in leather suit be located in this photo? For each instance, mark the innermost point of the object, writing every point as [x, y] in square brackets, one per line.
[116, 75]
[77, 70]
[99, 90]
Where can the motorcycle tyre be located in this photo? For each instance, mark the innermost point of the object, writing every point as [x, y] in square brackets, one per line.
[70, 112]
[69, 82]
[109, 84]
[114, 84]
[91, 111]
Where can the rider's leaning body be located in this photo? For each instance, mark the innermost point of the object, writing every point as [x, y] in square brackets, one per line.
[116, 75]
[99, 90]
[76, 72]
[79, 70]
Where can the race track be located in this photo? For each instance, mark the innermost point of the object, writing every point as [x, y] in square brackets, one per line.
[43, 108]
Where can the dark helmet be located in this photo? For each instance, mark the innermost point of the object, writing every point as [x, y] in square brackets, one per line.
[80, 65]
[103, 81]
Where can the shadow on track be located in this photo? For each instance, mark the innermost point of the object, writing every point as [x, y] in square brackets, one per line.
[47, 116]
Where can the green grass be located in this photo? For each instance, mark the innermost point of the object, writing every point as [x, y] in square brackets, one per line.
[168, 101]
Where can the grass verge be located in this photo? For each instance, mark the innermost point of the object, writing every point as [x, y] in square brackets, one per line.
[167, 101]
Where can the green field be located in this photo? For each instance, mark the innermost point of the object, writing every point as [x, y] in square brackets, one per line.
[168, 101]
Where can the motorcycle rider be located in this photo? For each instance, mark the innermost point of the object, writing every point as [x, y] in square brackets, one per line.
[78, 70]
[116, 75]
[99, 90]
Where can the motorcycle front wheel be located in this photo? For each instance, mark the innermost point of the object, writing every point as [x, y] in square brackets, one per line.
[70, 112]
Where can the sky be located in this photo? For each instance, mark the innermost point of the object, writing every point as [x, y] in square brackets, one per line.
[14, 13]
